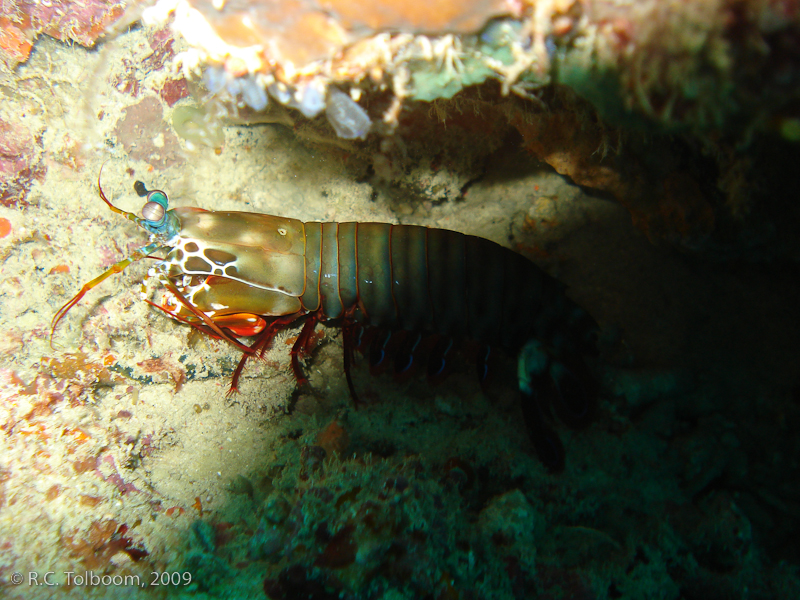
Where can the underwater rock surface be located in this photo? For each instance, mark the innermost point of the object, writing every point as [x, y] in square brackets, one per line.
[122, 454]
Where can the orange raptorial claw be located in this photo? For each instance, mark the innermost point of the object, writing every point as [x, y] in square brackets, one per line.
[241, 324]
[201, 327]
[208, 321]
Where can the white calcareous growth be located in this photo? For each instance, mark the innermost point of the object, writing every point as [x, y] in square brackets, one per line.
[348, 119]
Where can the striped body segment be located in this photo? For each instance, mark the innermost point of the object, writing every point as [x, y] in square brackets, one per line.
[430, 280]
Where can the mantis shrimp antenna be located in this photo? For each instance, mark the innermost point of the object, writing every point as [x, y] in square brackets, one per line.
[121, 265]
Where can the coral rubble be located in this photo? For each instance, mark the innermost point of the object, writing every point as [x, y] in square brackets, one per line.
[22, 21]
[681, 64]
[716, 73]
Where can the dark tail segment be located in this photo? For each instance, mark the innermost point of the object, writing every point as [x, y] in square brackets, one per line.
[545, 440]
[574, 392]
[554, 378]
[570, 390]
[566, 388]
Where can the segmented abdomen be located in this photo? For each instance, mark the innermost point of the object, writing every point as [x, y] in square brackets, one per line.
[432, 280]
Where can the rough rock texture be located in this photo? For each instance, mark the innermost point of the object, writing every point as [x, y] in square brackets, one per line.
[22, 21]
[672, 224]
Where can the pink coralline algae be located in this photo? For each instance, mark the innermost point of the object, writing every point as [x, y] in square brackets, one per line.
[21, 22]
[145, 136]
[128, 79]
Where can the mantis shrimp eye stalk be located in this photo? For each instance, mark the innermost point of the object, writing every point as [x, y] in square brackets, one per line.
[155, 210]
